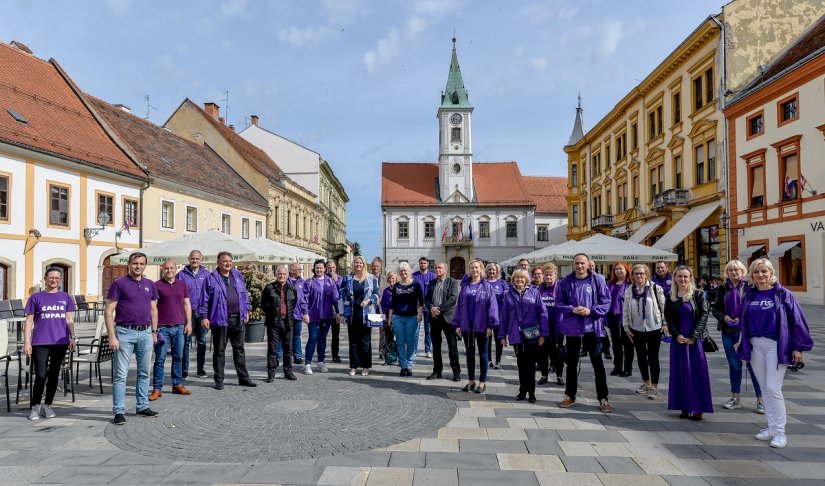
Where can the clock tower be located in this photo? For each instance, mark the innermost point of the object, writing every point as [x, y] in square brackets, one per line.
[455, 148]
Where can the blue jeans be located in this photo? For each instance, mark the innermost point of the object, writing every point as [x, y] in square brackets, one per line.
[199, 333]
[406, 339]
[174, 340]
[139, 342]
[296, 342]
[428, 339]
[318, 337]
[735, 365]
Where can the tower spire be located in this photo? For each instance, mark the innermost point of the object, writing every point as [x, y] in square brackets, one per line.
[578, 125]
[455, 94]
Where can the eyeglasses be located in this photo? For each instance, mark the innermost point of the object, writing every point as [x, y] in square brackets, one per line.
[639, 273]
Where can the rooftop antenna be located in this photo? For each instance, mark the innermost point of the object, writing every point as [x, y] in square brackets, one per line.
[225, 102]
[149, 107]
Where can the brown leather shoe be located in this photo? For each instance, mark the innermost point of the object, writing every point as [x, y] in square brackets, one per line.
[567, 402]
[604, 406]
[155, 395]
[180, 390]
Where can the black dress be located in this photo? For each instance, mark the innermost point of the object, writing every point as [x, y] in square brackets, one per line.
[360, 335]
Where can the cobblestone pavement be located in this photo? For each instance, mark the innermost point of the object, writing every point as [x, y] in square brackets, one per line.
[330, 429]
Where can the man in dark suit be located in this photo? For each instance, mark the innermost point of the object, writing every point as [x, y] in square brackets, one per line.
[442, 293]
[279, 301]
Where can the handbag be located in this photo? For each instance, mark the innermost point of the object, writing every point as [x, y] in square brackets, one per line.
[375, 320]
[530, 333]
[709, 345]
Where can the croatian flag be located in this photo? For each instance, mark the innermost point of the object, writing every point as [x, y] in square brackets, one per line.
[444, 233]
[460, 232]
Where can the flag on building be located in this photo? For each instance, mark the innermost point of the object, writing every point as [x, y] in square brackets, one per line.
[471, 230]
[444, 233]
[460, 231]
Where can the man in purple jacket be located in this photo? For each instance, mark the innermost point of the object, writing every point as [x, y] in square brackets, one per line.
[224, 308]
[194, 275]
[423, 276]
[583, 300]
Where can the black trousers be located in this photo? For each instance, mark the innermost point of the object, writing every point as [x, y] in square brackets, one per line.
[592, 344]
[279, 331]
[360, 343]
[526, 356]
[499, 348]
[233, 332]
[439, 326]
[622, 347]
[647, 348]
[336, 338]
[550, 353]
[47, 360]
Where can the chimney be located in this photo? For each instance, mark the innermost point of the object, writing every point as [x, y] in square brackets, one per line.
[221, 120]
[213, 109]
[123, 107]
[232, 127]
[254, 119]
[21, 47]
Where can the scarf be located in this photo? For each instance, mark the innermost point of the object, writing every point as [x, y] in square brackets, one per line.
[640, 299]
[733, 298]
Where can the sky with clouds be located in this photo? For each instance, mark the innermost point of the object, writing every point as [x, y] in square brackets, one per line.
[359, 81]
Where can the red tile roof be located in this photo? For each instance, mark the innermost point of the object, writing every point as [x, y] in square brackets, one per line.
[414, 184]
[173, 158]
[57, 121]
[252, 154]
[548, 193]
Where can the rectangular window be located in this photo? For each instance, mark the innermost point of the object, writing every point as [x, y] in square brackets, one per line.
[792, 268]
[226, 224]
[457, 229]
[677, 163]
[607, 156]
[634, 136]
[4, 197]
[756, 125]
[455, 135]
[635, 191]
[619, 147]
[130, 212]
[105, 204]
[191, 218]
[275, 221]
[703, 89]
[512, 229]
[403, 229]
[289, 222]
[574, 175]
[542, 233]
[699, 159]
[574, 217]
[59, 205]
[789, 169]
[661, 179]
[709, 86]
[677, 107]
[788, 110]
[167, 214]
[698, 94]
[483, 229]
[659, 121]
[621, 198]
[653, 179]
[609, 203]
[245, 228]
[651, 125]
[429, 229]
[259, 229]
[757, 184]
[711, 147]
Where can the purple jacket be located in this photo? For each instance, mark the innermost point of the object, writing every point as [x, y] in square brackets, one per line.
[521, 311]
[617, 298]
[548, 298]
[486, 309]
[665, 282]
[320, 298]
[386, 301]
[194, 282]
[593, 295]
[213, 298]
[793, 328]
[423, 280]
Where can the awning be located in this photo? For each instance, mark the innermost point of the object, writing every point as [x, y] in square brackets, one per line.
[781, 248]
[689, 222]
[749, 251]
[647, 228]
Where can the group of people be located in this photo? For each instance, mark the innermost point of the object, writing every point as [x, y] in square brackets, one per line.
[549, 322]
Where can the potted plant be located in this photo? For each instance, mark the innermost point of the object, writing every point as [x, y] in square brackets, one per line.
[256, 280]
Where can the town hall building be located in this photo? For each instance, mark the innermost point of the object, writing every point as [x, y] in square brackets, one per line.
[458, 209]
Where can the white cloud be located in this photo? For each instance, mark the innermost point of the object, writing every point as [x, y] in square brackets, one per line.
[385, 51]
[118, 7]
[612, 36]
[539, 64]
[300, 37]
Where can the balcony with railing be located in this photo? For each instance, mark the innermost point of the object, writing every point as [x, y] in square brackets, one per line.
[601, 221]
[671, 197]
[457, 241]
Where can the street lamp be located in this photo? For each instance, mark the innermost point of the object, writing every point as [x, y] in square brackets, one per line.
[102, 219]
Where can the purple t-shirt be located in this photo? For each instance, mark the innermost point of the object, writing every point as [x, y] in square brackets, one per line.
[170, 302]
[49, 311]
[134, 300]
[762, 318]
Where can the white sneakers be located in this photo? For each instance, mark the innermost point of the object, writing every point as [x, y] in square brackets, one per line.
[732, 404]
[48, 411]
[764, 434]
[308, 369]
[322, 367]
[35, 414]
[779, 442]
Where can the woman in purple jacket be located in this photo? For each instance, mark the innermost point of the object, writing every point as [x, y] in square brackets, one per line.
[774, 334]
[493, 272]
[622, 347]
[476, 317]
[551, 355]
[524, 325]
[320, 302]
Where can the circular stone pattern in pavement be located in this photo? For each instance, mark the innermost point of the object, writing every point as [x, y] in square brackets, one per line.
[312, 417]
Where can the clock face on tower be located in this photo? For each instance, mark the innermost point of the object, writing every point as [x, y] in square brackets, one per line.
[455, 118]
[456, 168]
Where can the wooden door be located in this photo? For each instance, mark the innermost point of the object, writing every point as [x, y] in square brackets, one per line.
[457, 268]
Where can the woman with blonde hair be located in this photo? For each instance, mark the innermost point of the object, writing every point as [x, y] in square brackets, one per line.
[360, 296]
[686, 313]
[476, 318]
[644, 323]
[493, 272]
[407, 303]
[774, 334]
[726, 309]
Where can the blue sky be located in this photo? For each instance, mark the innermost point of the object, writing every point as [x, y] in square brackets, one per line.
[360, 81]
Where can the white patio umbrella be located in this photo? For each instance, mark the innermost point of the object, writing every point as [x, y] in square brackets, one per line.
[209, 243]
[601, 248]
[296, 254]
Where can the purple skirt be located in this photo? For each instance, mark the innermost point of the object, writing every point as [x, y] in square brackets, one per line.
[689, 386]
